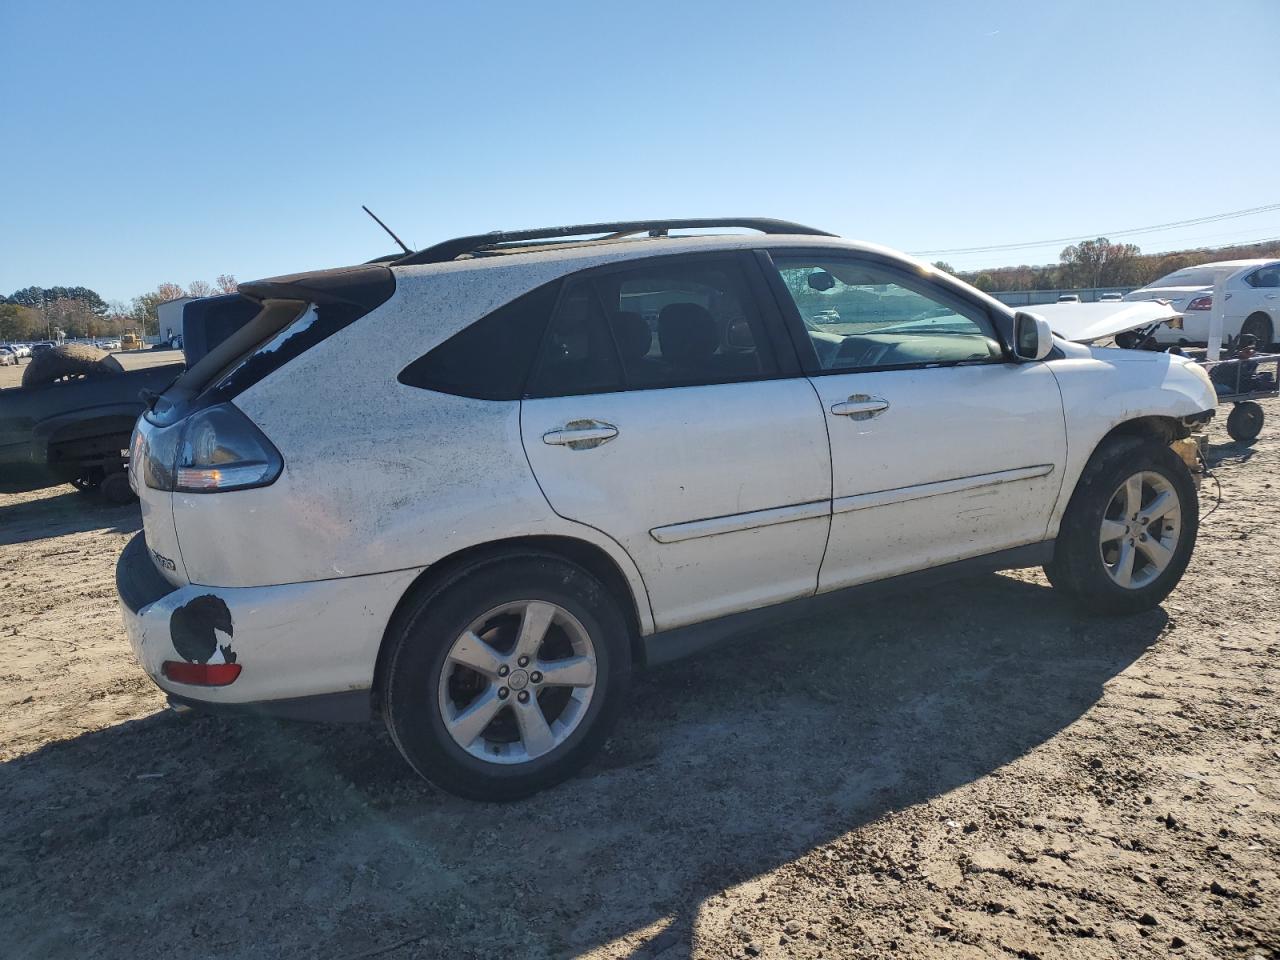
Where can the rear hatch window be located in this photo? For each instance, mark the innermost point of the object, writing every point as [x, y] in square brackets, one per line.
[295, 313]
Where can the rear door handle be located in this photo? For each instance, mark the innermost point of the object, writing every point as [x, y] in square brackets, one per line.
[581, 434]
[860, 406]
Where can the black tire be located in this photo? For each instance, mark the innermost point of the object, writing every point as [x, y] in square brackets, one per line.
[115, 489]
[1244, 422]
[1078, 568]
[1258, 326]
[423, 635]
[69, 362]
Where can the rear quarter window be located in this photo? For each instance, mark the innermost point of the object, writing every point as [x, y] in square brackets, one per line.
[489, 359]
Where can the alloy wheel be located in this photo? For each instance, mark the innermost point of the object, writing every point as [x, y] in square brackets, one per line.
[1140, 528]
[517, 682]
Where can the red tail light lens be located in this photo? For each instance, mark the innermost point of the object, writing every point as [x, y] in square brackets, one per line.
[1201, 303]
[200, 674]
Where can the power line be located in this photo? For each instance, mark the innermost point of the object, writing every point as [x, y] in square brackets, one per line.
[1195, 221]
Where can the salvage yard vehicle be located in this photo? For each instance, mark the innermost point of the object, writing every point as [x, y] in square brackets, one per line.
[1252, 308]
[72, 420]
[521, 491]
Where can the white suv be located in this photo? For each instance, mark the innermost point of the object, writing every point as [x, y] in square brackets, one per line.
[471, 488]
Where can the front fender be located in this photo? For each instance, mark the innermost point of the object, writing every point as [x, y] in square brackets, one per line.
[1105, 387]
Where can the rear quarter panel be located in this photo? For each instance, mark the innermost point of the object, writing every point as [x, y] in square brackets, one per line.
[378, 476]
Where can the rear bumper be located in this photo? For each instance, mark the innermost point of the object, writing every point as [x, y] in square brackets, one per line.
[306, 649]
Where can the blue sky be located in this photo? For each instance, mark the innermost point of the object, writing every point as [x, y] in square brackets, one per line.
[175, 141]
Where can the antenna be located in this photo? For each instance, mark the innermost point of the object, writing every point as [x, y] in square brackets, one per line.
[386, 228]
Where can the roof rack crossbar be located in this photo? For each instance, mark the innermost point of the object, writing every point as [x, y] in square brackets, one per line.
[452, 249]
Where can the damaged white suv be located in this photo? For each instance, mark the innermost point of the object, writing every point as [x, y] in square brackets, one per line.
[554, 459]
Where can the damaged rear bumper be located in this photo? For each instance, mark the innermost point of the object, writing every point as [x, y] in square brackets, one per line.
[306, 650]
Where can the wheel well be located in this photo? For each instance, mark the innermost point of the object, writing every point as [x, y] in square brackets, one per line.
[1261, 315]
[586, 555]
[1164, 429]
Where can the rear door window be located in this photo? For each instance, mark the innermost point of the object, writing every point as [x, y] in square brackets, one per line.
[668, 322]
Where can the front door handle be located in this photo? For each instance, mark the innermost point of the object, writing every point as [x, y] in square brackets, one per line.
[581, 434]
[860, 406]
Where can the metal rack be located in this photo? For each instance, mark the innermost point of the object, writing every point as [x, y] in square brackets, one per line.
[1242, 381]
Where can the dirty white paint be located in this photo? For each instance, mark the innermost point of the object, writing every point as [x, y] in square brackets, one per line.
[284, 636]
[688, 454]
[1103, 387]
[941, 424]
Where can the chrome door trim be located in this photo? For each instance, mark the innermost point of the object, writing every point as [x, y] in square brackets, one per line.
[735, 522]
[882, 498]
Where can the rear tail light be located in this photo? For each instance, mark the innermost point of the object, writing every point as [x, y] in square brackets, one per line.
[213, 450]
[200, 674]
[1201, 303]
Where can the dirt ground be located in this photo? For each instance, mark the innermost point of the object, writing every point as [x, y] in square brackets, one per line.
[975, 771]
[11, 376]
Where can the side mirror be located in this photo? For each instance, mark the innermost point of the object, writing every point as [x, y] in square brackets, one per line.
[1032, 338]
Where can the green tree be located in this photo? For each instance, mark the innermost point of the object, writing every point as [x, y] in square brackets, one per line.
[19, 323]
[39, 298]
[1098, 263]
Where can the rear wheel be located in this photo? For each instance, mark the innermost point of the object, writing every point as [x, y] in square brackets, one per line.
[1258, 326]
[115, 488]
[507, 678]
[1129, 529]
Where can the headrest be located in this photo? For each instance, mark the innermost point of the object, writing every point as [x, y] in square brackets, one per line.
[687, 333]
[633, 335]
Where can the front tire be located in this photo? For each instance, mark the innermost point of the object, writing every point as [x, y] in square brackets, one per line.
[506, 678]
[1129, 530]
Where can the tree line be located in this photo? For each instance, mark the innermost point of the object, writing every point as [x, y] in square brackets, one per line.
[37, 313]
[1101, 263]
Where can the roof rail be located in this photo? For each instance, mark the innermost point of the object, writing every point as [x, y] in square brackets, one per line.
[452, 249]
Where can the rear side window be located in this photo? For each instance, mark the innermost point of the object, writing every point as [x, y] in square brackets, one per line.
[669, 322]
[1265, 277]
[490, 359]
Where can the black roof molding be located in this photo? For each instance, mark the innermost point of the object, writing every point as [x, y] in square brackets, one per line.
[487, 242]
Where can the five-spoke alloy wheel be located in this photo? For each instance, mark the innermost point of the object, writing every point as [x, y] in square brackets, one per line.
[1139, 530]
[1129, 529]
[518, 682]
[505, 676]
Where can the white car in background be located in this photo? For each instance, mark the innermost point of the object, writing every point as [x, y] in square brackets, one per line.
[526, 490]
[1252, 307]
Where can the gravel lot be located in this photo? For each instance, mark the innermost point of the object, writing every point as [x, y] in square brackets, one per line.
[11, 376]
[975, 771]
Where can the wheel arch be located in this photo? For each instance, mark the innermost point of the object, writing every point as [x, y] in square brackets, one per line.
[1160, 428]
[591, 557]
[1266, 318]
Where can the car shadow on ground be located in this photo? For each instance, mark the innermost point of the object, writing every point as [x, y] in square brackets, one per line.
[319, 841]
[61, 514]
[1232, 452]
